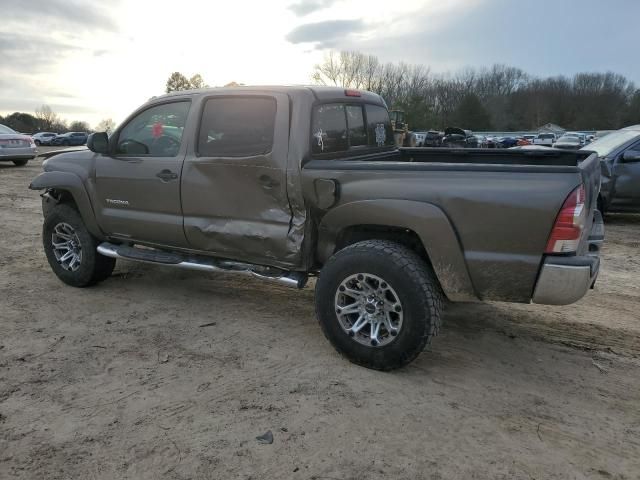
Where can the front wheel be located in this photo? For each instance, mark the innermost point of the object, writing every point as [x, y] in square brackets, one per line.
[378, 303]
[71, 249]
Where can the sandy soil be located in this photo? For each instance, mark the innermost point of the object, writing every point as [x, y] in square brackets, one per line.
[124, 380]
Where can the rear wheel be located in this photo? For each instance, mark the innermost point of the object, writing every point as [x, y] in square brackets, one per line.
[71, 249]
[378, 304]
[20, 163]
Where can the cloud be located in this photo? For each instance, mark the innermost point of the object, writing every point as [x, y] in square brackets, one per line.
[29, 53]
[60, 14]
[546, 37]
[325, 34]
[305, 7]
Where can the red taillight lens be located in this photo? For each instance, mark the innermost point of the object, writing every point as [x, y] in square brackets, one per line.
[566, 232]
[352, 93]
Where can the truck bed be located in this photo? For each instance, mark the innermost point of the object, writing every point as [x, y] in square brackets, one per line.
[500, 204]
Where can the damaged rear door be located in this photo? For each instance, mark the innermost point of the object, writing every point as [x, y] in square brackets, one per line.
[234, 195]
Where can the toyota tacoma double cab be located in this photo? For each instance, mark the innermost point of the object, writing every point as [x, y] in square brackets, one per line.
[287, 183]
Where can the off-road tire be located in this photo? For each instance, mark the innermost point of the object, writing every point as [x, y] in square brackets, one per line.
[93, 267]
[417, 288]
[20, 163]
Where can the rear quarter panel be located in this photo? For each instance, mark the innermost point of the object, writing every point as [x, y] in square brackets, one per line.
[502, 215]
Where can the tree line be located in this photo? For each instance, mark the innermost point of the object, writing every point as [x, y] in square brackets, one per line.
[44, 119]
[499, 97]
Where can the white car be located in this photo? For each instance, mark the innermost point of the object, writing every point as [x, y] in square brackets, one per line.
[546, 139]
[43, 138]
[16, 147]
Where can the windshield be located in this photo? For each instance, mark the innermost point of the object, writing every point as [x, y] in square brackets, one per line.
[4, 129]
[608, 144]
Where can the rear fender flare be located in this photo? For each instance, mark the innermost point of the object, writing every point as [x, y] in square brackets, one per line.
[71, 183]
[428, 221]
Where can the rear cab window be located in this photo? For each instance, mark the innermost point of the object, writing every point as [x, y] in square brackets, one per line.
[344, 128]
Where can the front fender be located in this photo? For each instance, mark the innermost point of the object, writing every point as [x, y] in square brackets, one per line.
[428, 221]
[70, 182]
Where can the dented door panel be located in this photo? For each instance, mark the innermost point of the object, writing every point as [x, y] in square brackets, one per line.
[237, 207]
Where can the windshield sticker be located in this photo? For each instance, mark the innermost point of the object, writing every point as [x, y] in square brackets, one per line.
[381, 134]
[319, 135]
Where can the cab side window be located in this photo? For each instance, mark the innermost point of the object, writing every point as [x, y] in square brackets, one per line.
[156, 131]
[237, 126]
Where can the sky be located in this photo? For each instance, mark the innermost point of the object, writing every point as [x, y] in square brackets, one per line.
[92, 60]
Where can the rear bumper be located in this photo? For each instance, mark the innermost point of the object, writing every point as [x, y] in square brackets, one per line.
[18, 153]
[565, 280]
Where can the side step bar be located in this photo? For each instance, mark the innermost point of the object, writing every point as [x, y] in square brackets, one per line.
[202, 263]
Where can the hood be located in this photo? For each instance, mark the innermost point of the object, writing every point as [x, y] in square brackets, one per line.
[63, 150]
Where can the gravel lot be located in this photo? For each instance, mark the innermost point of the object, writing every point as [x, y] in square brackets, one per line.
[126, 380]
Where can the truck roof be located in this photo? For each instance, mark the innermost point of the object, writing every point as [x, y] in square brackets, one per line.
[320, 92]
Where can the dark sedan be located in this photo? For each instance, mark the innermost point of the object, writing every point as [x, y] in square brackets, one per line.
[70, 138]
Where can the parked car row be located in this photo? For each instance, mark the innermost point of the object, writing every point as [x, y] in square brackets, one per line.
[66, 139]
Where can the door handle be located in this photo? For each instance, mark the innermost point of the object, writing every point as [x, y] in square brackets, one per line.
[166, 175]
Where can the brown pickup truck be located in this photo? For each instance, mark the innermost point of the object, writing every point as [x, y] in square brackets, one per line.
[283, 183]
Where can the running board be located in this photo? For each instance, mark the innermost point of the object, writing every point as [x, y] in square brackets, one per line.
[202, 263]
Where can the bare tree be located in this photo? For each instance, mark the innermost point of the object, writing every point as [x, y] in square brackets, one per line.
[106, 125]
[197, 81]
[46, 117]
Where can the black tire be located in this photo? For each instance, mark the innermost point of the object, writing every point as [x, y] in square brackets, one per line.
[65, 143]
[38, 143]
[417, 289]
[93, 267]
[20, 163]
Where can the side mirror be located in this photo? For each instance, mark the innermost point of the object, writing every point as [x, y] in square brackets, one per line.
[631, 156]
[98, 142]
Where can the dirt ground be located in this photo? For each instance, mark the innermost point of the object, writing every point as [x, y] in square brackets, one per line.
[125, 380]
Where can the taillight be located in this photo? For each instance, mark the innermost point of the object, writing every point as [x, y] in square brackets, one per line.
[567, 230]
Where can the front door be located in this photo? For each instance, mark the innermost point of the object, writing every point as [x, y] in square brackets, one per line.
[627, 181]
[234, 185]
[138, 183]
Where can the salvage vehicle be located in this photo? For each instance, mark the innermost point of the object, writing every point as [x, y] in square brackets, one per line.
[546, 139]
[284, 183]
[457, 137]
[568, 142]
[70, 139]
[619, 154]
[16, 147]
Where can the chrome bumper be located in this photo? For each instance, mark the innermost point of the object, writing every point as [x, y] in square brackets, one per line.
[565, 280]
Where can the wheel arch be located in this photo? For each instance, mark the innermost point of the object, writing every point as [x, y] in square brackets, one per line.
[69, 184]
[417, 225]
